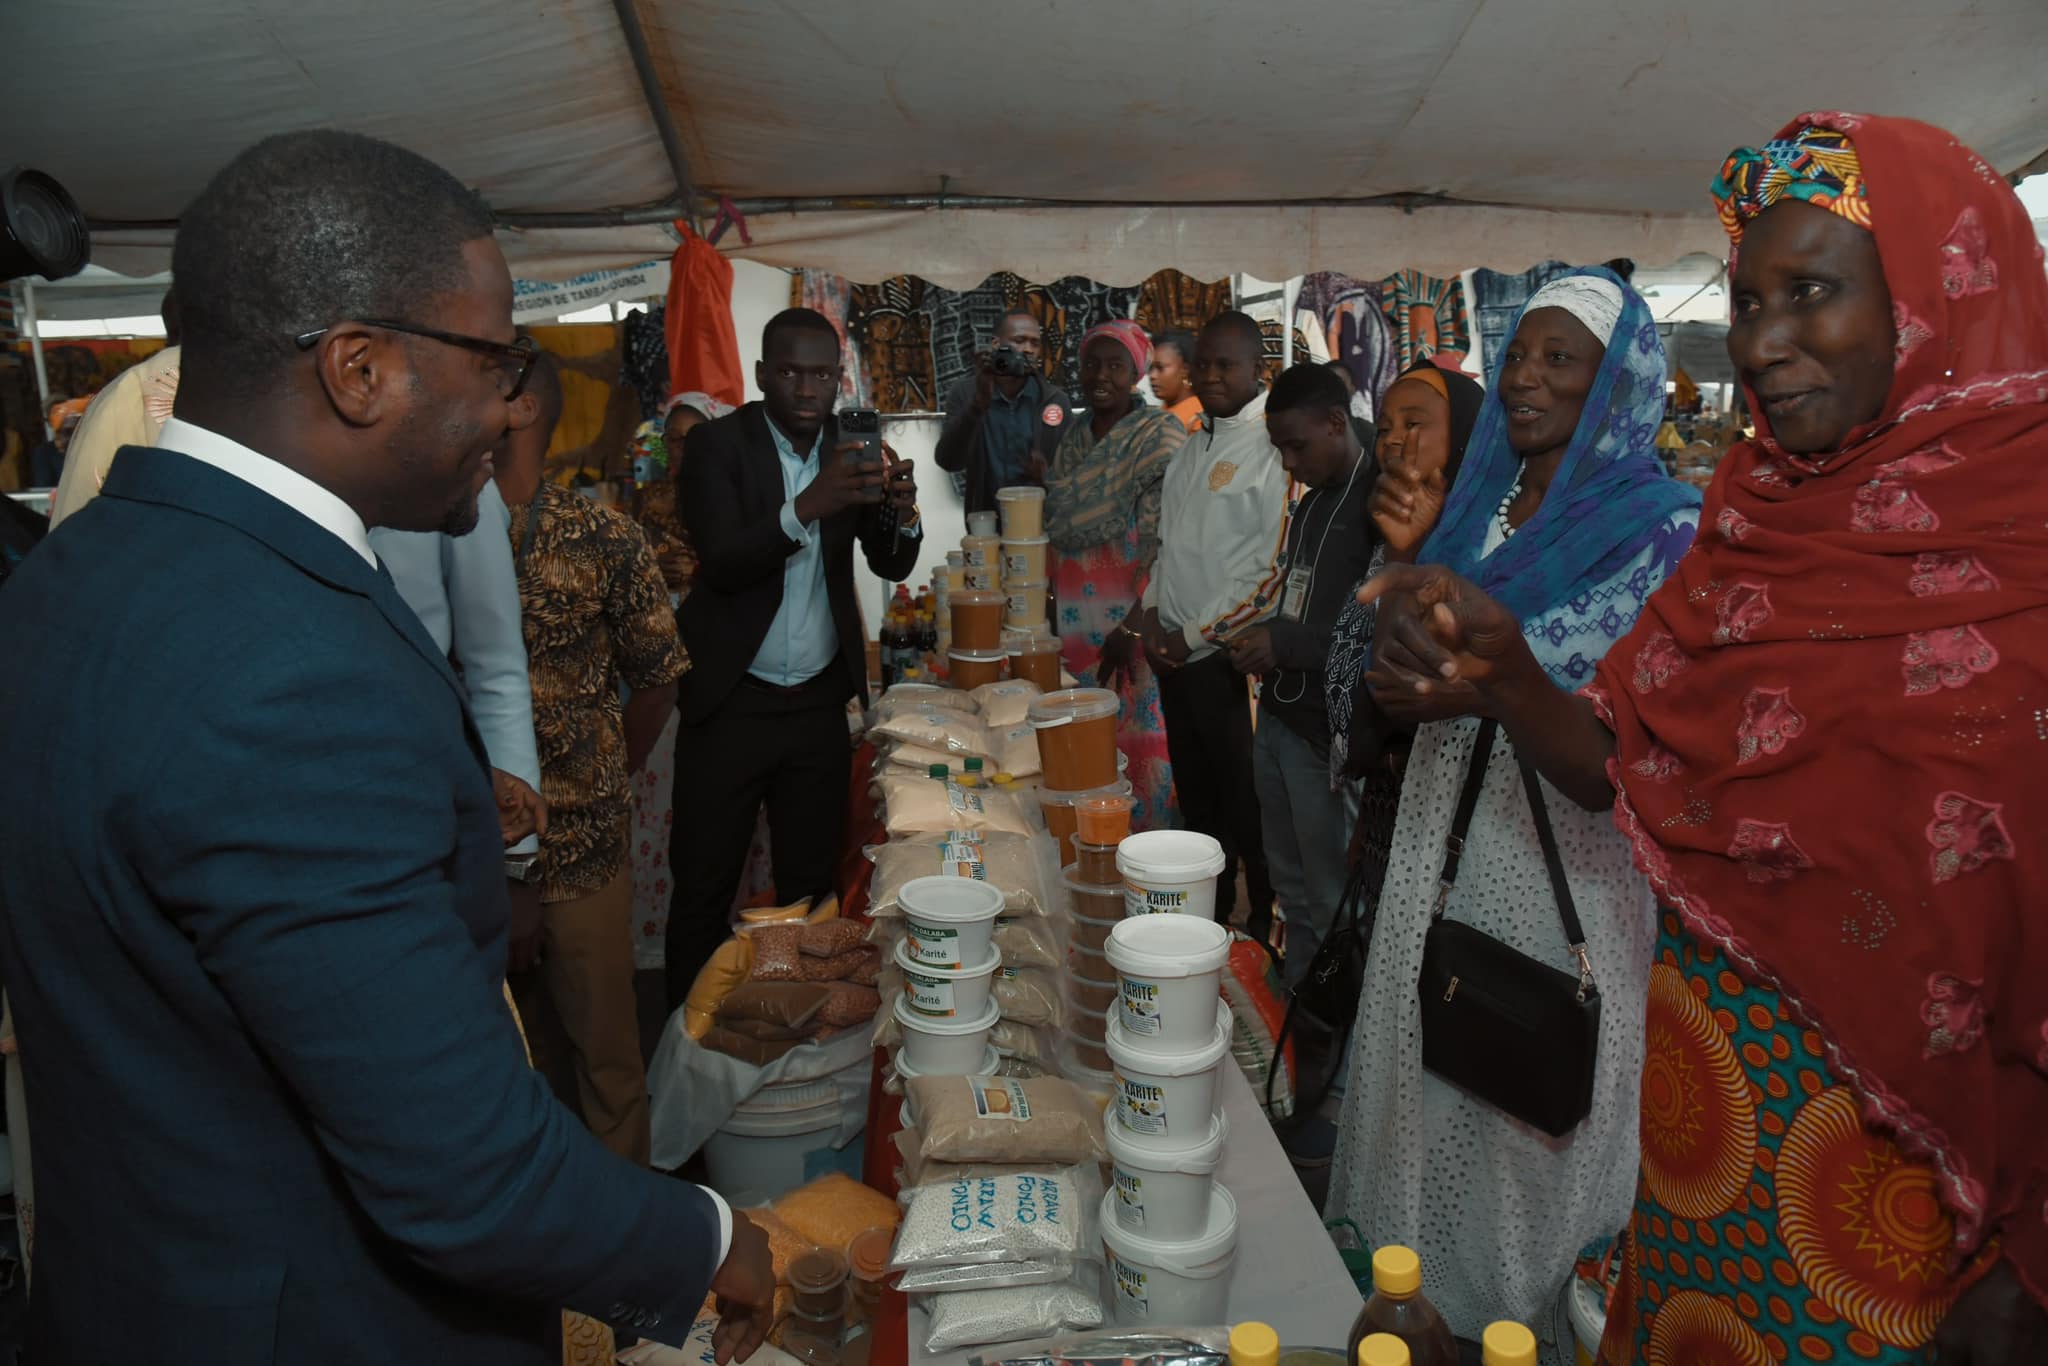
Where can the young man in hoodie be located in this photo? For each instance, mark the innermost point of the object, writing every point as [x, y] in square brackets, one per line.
[1222, 520]
[1330, 538]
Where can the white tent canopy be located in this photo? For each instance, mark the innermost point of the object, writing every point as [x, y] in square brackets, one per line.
[1217, 138]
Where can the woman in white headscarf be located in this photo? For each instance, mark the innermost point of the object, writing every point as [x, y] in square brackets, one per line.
[1561, 504]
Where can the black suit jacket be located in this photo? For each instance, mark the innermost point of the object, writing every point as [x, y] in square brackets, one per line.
[730, 496]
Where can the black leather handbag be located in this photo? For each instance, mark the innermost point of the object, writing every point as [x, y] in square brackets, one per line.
[1517, 1033]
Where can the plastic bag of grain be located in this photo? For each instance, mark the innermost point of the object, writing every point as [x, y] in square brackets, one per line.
[952, 732]
[1017, 750]
[987, 1119]
[833, 1210]
[909, 697]
[923, 805]
[968, 1317]
[1006, 703]
[1011, 863]
[1044, 1215]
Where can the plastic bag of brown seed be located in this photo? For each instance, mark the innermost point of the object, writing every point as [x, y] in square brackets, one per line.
[987, 1119]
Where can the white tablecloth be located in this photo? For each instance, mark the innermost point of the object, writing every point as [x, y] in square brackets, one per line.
[1288, 1273]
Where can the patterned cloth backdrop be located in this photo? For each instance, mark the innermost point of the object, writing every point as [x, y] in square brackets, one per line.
[1356, 329]
[1169, 300]
[1428, 315]
[1496, 299]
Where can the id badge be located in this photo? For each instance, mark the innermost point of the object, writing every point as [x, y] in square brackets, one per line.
[1294, 602]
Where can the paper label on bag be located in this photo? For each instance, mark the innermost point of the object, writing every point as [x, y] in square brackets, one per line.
[1151, 901]
[963, 800]
[1141, 1104]
[964, 858]
[938, 945]
[1130, 1289]
[999, 1098]
[1130, 1196]
[929, 995]
[1141, 1006]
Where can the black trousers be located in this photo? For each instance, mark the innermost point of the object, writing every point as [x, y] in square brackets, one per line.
[786, 748]
[1207, 708]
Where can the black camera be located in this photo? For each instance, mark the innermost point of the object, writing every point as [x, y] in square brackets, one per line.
[42, 231]
[1008, 360]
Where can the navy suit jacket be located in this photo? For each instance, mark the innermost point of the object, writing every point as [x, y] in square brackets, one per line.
[253, 922]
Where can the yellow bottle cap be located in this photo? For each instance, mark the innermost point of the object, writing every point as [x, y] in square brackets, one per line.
[1508, 1344]
[1254, 1344]
[1383, 1349]
[1396, 1271]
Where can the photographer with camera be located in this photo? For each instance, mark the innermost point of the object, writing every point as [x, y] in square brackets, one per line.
[1003, 425]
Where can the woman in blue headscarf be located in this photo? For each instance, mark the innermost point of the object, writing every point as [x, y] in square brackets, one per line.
[1562, 508]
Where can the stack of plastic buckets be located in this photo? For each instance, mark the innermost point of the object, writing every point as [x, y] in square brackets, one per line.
[1170, 1231]
[1077, 755]
[1095, 906]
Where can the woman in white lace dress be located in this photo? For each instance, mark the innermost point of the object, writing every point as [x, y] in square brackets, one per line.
[1561, 505]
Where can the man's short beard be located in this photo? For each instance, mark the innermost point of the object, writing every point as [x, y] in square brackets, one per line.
[461, 520]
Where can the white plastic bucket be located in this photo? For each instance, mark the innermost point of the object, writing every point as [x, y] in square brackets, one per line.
[945, 1048]
[1166, 1099]
[1023, 510]
[1164, 1195]
[1024, 559]
[1169, 976]
[1025, 609]
[981, 523]
[947, 993]
[1182, 1280]
[1171, 871]
[990, 1061]
[777, 1139]
[949, 922]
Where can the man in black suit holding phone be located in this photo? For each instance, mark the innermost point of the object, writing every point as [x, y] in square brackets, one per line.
[774, 498]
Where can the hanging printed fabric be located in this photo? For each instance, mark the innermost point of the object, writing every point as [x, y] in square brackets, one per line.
[1428, 316]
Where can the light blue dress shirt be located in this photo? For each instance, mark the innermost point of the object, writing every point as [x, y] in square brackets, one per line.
[465, 591]
[801, 642]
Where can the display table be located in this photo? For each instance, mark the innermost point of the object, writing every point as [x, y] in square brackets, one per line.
[1288, 1273]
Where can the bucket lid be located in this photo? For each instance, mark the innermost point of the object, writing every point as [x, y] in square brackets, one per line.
[995, 656]
[1166, 945]
[975, 597]
[1203, 1257]
[867, 1253]
[1015, 586]
[1073, 704]
[988, 968]
[941, 900]
[979, 539]
[1026, 540]
[1018, 493]
[783, 1097]
[990, 1061]
[1047, 797]
[1127, 1151]
[948, 1027]
[1125, 1052]
[1169, 856]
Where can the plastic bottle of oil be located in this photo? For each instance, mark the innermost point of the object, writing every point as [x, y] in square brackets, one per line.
[1382, 1349]
[1397, 1306]
[1508, 1344]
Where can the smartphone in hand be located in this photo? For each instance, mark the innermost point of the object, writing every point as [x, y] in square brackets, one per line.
[864, 425]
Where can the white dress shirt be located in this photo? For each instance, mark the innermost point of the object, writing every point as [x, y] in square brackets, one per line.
[801, 642]
[1222, 531]
[319, 506]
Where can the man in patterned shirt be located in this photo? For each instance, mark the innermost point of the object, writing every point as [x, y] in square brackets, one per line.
[596, 615]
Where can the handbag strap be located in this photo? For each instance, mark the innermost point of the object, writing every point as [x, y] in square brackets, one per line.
[1560, 886]
[1468, 802]
[1553, 862]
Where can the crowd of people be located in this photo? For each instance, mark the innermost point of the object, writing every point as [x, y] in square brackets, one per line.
[1720, 815]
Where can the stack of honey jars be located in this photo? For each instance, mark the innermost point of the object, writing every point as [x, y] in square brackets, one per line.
[1095, 903]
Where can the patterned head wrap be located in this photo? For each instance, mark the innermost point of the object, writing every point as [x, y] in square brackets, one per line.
[1593, 301]
[1817, 165]
[1128, 335]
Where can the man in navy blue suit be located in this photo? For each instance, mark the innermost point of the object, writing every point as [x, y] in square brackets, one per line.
[252, 907]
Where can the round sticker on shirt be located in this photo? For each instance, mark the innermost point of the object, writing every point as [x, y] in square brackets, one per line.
[1053, 415]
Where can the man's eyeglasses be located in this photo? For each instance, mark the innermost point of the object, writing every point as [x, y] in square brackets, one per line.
[520, 354]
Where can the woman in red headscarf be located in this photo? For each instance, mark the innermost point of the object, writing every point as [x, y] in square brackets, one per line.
[1827, 736]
